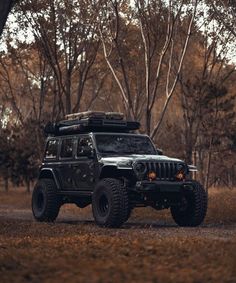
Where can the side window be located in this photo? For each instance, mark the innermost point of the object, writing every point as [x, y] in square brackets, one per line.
[84, 144]
[67, 148]
[51, 149]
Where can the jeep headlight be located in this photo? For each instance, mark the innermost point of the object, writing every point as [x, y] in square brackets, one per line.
[140, 168]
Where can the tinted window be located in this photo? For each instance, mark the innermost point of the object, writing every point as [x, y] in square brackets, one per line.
[83, 144]
[67, 148]
[124, 144]
[51, 149]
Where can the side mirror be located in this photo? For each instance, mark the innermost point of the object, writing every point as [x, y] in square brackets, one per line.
[159, 151]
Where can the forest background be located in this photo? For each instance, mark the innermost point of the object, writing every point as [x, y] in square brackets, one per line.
[168, 64]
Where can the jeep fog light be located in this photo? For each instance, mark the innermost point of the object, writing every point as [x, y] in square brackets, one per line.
[152, 176]
[180, 176]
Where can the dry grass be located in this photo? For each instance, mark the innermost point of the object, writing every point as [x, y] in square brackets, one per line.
[150, 248]
[222, 206]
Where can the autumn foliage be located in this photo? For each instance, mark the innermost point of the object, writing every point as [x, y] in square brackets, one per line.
[166, 65]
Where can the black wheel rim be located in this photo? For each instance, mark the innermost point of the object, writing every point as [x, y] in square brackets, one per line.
[103, 205]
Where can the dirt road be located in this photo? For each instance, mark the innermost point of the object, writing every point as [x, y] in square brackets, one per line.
[148, 248]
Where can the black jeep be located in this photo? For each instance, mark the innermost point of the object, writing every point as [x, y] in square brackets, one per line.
[96, 158]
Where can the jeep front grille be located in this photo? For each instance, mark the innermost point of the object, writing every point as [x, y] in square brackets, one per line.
[164, 170]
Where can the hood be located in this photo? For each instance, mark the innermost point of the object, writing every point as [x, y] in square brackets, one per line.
[118, 160]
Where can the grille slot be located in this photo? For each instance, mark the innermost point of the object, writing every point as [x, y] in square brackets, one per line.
[164, 170]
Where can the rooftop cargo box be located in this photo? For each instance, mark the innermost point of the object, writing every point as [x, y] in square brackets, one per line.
[91, 122]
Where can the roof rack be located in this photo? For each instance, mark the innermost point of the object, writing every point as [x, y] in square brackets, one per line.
[91, 121]
[95, 114]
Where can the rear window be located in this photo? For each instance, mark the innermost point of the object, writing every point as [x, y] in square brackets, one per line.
[51, 149]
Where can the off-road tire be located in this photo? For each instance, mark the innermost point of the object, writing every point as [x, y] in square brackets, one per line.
[193, 212]
[45, 201]
[110, 203]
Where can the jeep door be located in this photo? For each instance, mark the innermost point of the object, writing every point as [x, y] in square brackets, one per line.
[65, 162]
[84, 167]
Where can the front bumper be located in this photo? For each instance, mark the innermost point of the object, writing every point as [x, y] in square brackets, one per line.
[160, 187]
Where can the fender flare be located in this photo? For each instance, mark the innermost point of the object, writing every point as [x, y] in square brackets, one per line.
[49, 173]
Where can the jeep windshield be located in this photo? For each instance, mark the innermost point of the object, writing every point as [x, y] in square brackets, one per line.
[124, 144]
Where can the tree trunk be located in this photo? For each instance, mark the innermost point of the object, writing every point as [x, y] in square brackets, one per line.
[6, 183]
[200, 163]
[194, 159]
[189, 152]
[148, 122]
[28, 186]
